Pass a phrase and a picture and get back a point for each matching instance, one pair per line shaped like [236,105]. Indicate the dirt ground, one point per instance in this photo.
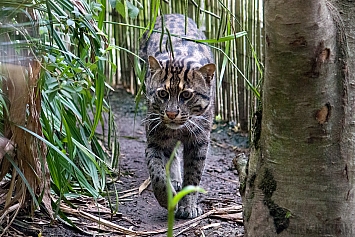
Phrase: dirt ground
[141,212]
[220,180]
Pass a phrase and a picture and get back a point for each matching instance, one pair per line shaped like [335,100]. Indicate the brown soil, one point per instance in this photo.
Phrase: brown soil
[142,212]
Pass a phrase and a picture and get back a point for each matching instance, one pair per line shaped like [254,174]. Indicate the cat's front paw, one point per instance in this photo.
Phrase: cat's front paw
[188,212]
[176,185]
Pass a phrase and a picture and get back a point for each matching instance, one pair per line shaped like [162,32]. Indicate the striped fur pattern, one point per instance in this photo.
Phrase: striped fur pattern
[180,98]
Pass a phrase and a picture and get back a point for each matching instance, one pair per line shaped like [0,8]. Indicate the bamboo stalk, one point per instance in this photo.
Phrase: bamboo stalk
[234,101]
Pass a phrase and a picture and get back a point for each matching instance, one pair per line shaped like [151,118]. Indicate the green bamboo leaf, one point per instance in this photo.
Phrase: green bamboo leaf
[29,188]
[224,64]
[140,75]
[222,39]
[133,11]
[70,22]
[186,9]
[154,11]
[128,25]
[126,50]
[91,168]
[219,29]
[163,28]
[52,58]
[112,3]
[65,5]
[71,147]
[100,93]
[51,161]
[75,172]
[169,46]
[121,7]
[250,85]
[102,14]
[227,51]
[3,104]
[69,103]
[185,191]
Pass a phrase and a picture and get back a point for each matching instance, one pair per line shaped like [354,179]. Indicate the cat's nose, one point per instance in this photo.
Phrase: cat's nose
[172,114]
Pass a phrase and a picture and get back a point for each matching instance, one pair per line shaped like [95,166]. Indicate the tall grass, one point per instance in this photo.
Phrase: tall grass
[75,117]
[73,89]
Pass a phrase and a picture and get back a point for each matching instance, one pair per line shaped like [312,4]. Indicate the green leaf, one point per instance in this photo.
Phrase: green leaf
[100,93]
[76,12]
[72,88]
[101,58]
[29,188]
[185,191]
[70,22]
[88,17]
[121,8]
[69,136]
[113,3]
[223,39]
[43,30]
[102,12]
[133,11]
[225,60]
[52,58]
[74,171]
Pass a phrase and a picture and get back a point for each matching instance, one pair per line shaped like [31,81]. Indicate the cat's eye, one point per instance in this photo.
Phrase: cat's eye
[163,94]
[186,95]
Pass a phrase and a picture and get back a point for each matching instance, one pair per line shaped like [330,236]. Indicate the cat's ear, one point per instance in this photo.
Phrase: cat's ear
[154,65]
[208,71]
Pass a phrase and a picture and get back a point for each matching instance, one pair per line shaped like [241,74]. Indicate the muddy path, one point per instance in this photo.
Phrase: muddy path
[141,212]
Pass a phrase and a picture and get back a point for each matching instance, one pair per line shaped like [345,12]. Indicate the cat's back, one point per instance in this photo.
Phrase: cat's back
[179,28]
[176,23]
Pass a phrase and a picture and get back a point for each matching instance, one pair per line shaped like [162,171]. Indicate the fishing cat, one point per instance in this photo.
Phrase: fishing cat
[180,90]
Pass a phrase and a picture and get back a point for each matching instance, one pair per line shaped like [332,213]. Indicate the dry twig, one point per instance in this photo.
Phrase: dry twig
[114,228]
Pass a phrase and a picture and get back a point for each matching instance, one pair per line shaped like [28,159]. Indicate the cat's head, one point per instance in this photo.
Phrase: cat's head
[178,90]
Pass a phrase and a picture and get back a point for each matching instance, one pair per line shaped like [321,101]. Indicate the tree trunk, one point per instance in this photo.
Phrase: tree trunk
[300,179]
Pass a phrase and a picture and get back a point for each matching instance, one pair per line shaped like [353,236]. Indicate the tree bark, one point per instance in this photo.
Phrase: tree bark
[300,179]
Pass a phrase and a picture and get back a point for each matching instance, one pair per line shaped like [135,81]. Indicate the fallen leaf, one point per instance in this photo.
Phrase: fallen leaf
[143,186]
[237,217]
[210,226]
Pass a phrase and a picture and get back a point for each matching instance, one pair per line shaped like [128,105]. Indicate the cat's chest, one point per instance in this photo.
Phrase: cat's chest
[170,136]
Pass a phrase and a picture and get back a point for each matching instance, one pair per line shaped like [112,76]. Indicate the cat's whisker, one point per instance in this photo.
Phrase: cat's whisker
[202,118]
[197,126]
[151,130]
[192,132]
[189,128]
[152,114]
[149,120]
[197,136]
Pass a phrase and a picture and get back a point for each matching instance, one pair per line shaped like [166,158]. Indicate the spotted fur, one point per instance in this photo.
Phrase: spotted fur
[180,99]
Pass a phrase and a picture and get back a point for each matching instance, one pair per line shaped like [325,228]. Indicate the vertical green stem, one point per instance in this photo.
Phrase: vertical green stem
[171,205]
